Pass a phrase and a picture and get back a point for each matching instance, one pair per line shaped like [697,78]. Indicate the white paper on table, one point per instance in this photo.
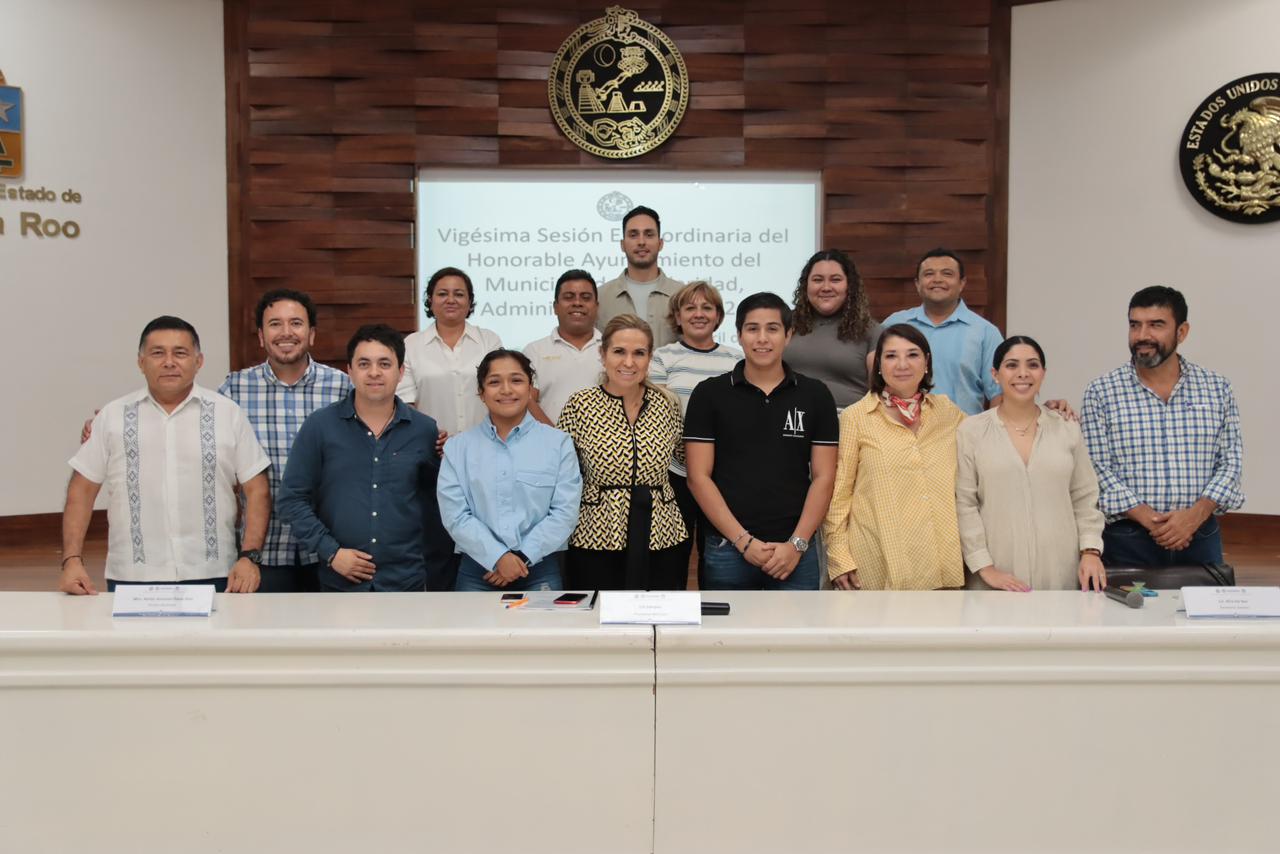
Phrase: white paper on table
[1231,601]
[655,608]
[162,600]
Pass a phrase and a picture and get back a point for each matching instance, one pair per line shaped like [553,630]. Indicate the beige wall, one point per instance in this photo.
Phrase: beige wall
[1097,207]
[125,105]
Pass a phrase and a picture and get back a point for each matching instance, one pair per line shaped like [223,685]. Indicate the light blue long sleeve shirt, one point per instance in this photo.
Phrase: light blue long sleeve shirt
[521,494]
[963,346]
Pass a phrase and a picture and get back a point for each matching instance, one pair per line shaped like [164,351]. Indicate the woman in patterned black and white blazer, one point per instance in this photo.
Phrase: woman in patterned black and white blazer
[630,535]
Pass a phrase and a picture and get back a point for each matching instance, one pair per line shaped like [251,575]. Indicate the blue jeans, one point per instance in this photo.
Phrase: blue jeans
[1126,543]
[725,569]
[543,575]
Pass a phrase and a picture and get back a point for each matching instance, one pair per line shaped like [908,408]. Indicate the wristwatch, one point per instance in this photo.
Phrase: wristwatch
[801,545]
[254,556]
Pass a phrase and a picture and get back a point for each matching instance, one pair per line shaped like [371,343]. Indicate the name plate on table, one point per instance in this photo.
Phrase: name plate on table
[656,608]
[163,600]
[1231,601]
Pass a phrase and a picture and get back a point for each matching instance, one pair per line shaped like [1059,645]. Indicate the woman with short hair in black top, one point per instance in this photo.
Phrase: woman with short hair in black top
[630,535]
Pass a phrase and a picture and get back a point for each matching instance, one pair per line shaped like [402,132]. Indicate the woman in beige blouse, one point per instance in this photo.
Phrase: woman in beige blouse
[1026,493]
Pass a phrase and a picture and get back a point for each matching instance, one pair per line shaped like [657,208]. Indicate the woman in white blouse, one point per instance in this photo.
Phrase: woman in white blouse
[440,361]
[1026,493]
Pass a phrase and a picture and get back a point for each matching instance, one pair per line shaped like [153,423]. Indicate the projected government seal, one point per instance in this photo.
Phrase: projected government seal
[1230,152]
[618,86]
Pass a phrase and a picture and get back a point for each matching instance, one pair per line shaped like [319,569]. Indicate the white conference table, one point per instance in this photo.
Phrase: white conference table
[309,722]
[950,721]
[800,722]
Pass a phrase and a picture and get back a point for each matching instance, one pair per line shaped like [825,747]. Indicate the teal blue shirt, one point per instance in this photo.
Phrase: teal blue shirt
[346,488]
[963,346]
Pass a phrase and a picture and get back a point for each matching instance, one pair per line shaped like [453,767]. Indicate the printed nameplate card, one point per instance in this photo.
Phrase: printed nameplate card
[163,600]
[656,608]
[1231,601]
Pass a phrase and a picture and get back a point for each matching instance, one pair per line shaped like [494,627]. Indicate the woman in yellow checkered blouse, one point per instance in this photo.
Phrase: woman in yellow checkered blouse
[892,520]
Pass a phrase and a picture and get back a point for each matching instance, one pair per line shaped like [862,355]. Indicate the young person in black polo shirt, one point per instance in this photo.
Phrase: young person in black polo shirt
[760,444]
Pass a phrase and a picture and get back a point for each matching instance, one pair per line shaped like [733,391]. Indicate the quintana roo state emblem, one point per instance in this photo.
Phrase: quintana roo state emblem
[1230,153]
[618,86]
[10,130]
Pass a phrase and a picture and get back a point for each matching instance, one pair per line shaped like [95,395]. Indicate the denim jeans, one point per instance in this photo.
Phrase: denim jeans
[543,575]
[726,569]
[1126,543]
[694,522]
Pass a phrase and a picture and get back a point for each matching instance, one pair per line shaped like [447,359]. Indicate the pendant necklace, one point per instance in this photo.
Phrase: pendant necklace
[1021,431]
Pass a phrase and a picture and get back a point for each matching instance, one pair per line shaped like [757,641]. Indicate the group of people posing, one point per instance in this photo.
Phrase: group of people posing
[830,450]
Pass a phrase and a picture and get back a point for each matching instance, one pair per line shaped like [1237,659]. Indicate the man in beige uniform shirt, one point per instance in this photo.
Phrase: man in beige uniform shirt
[643,288]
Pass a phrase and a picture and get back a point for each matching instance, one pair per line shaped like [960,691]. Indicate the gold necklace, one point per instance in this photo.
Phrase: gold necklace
[1021,431]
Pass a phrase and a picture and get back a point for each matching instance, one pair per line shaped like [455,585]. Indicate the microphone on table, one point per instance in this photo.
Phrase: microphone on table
[1133,598]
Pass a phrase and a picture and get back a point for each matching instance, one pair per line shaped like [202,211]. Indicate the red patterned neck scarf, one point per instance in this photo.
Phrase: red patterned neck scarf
[909,407]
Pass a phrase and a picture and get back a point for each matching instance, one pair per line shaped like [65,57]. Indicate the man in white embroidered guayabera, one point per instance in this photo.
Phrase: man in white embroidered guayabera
[170,456]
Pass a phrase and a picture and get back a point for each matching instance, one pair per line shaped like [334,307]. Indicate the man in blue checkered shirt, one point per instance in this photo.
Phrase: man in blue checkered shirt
[1164,436]
[277,396]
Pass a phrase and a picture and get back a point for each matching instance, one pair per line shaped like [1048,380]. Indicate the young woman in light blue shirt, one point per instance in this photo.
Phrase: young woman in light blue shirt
[509,487]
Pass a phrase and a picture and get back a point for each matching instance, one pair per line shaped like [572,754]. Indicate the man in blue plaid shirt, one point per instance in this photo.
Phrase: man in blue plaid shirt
[277,396]
[1164,436]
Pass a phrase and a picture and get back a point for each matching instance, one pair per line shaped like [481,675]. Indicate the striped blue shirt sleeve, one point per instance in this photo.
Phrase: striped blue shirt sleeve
[1228,457]
[1114,497]
[657,369]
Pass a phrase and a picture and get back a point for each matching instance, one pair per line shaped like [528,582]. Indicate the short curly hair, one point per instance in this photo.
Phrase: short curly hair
[697,288]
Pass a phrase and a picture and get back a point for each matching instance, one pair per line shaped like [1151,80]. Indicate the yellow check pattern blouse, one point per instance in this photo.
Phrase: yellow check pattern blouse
[893,514]
[616,455]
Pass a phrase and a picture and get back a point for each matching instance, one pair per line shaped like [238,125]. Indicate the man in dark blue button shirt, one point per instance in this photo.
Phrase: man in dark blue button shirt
[360,486]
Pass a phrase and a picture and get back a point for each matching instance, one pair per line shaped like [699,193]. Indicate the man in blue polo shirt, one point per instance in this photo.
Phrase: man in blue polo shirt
[963,342]
[360,486]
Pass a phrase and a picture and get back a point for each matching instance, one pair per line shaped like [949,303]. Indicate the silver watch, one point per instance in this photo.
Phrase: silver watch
[801,545]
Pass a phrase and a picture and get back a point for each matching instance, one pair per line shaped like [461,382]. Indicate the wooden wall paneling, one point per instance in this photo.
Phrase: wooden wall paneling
[998,197]
[333,106]
[235,68]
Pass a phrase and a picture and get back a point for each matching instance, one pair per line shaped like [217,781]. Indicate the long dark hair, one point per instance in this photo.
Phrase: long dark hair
[1012,341]
[855,317]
